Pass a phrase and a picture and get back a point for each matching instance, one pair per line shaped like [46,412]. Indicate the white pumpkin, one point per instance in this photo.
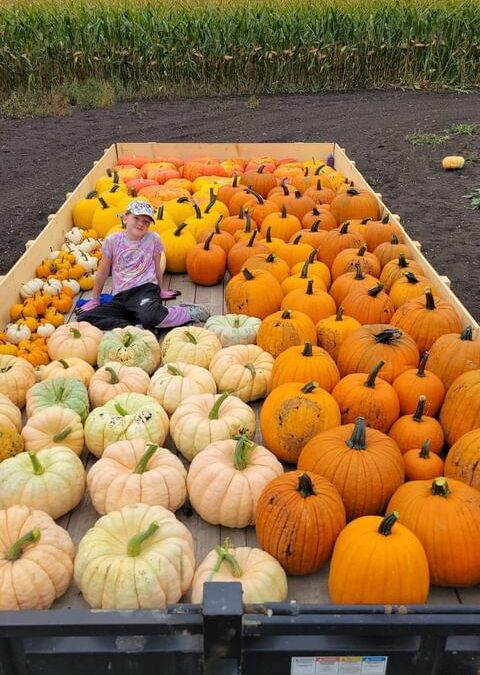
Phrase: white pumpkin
[190,344]
[174,382]
[52,287]
[243,370]
[204,418]
[74,236]
[72,284]
[16,332]
[262,577]
[130,346]
[69,368]
[234,329]
[29,288]
[10,415]
[46,329]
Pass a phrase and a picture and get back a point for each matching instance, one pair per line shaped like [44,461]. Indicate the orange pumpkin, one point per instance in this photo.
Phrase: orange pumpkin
[284,329]
[255,293]
[333,330]
[453,354]
[353,203]
[417,381]
[206,263]
[305,363]
[409,431]
[315,303]
[422,464]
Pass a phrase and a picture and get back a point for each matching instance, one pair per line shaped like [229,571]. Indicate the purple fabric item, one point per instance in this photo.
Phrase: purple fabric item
[133,262]
[169,293]
[177,316]
[90,304]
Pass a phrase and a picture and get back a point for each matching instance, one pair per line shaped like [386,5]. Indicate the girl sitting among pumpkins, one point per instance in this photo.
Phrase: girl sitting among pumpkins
[134,258]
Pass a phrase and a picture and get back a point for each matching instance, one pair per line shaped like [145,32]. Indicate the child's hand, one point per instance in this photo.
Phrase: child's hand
[90,304]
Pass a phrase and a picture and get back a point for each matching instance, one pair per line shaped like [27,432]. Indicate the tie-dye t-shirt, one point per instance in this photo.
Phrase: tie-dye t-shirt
[133,262]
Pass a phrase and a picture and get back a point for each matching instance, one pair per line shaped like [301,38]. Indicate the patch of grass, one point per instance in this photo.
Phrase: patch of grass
[427,138]
[463,129]
[24,104]
[253,102]
[472,157]
[474,198]
[90,94]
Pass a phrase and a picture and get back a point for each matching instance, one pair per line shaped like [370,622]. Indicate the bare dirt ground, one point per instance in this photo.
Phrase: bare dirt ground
[43,158]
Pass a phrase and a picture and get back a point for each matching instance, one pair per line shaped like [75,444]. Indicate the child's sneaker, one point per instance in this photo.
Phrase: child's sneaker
[198,313]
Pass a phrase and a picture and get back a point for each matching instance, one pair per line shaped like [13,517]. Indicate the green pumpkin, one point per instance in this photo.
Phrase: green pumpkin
[125,417]
[130,346]
[68,393]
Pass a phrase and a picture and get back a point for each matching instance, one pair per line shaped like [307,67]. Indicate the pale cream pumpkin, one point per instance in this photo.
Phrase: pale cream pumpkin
[174,382]
[16,377]
[10,415]
[148,547]
[52,480]
[137,471]
[243,370]
[124,417]
[205,418]
[71,368]
[78,338]
[112,379]
[262,577]
[190,344]
[54,426]
[36,559]
[130,346]
[234,329]
[225,480]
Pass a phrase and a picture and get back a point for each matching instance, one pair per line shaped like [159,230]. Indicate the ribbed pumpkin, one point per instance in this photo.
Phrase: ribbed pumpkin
[378,561]
[71,368]
[77,338]
[426,319]
[336,241]
[445,516]
[233,329]
[177,243]
[285,329]
[206,263]
[259,180]
[298,518]
[333,330]
[17,376]
[394,270]
[301,278]
[130,346]
[354,203]
[54,426]
[315,303]
[453,354]
[364,464]
[463,459]
[225,480]
[255,293]
[368,345]
[58,391]
[389,250]
[114,378]
[417,381]
[191,344]
[10,415]
[282,225]
[345,262]
[460,412]
[379,231]
[421,464]
[294,251]
[243,370]
[359,394]
[295,204]
[270,262]
[175,381]
[294,412]
[350,280]
[304,364]
[368,305]
[409,431]
[315,267]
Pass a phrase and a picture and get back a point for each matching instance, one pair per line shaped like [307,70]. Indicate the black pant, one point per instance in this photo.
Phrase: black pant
[127,308]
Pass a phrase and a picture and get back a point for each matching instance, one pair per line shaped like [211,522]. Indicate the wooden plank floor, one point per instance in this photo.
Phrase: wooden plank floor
[307,589]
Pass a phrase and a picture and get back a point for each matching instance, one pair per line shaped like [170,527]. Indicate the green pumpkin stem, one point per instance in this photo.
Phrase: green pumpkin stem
[145,458]
[309,387]
[370,381]
[63,363]
[417,416]
[75,333]
[114,379]
[467,333]
[173,370]
[305,486]
[243,447]
[358,439]
[160,212]
[135,542]
[213,414]
[422,364]
[127,339]
[251,368]
[190,337]
[62,435]
[236,322]
[440,487]
[15,550]
[120,409]
[224,555]
[312,256]
[425,449]
[307,349]
[38,469]
[387,523]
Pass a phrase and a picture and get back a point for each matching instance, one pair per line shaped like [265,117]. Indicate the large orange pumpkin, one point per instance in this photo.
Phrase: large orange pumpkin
[453,354]
[364,464]
[298,518]
[460,412]
[255,293]
[284,329]
[355,203]
[304,364]
[463,459]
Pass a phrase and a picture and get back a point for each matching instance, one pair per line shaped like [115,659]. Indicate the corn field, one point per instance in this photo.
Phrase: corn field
[234,47]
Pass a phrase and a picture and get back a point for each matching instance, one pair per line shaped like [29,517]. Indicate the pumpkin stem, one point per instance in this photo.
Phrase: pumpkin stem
[15,550]
[315,226]
[224,555]
[387,523]
[114,379]
[217,225]
[361,251]
[422,364]
[251,241]
[120,409]
[211,203]
[251,368]
[373,292]
[213,414]
[271,257]
[179,229]
[388,335]
[62,435]
[385,219]
[304,272]
[286,314]
[236,321]
[402,261]
[243,446]
[370,381]
[247,274]
[339,314]
[417,417]
[173,370]
[467,333]
[160,212]
[309,290]
[283,212]
[38,469]
[309,387]
[191,338]
[358,439]
[145,458]
[103,203]
[297,240]
[394,239]
[198,213]
[344,227]
[257,196]
[75,333]
[429,301]
[63,363]
[411,278]
[208,241]
[307,349]
[127,339]
[359,274]
[134,543]
[440,487]
[305,486]
[425,450]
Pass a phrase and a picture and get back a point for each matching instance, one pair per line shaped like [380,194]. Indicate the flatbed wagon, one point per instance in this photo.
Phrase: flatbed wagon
[302,636]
